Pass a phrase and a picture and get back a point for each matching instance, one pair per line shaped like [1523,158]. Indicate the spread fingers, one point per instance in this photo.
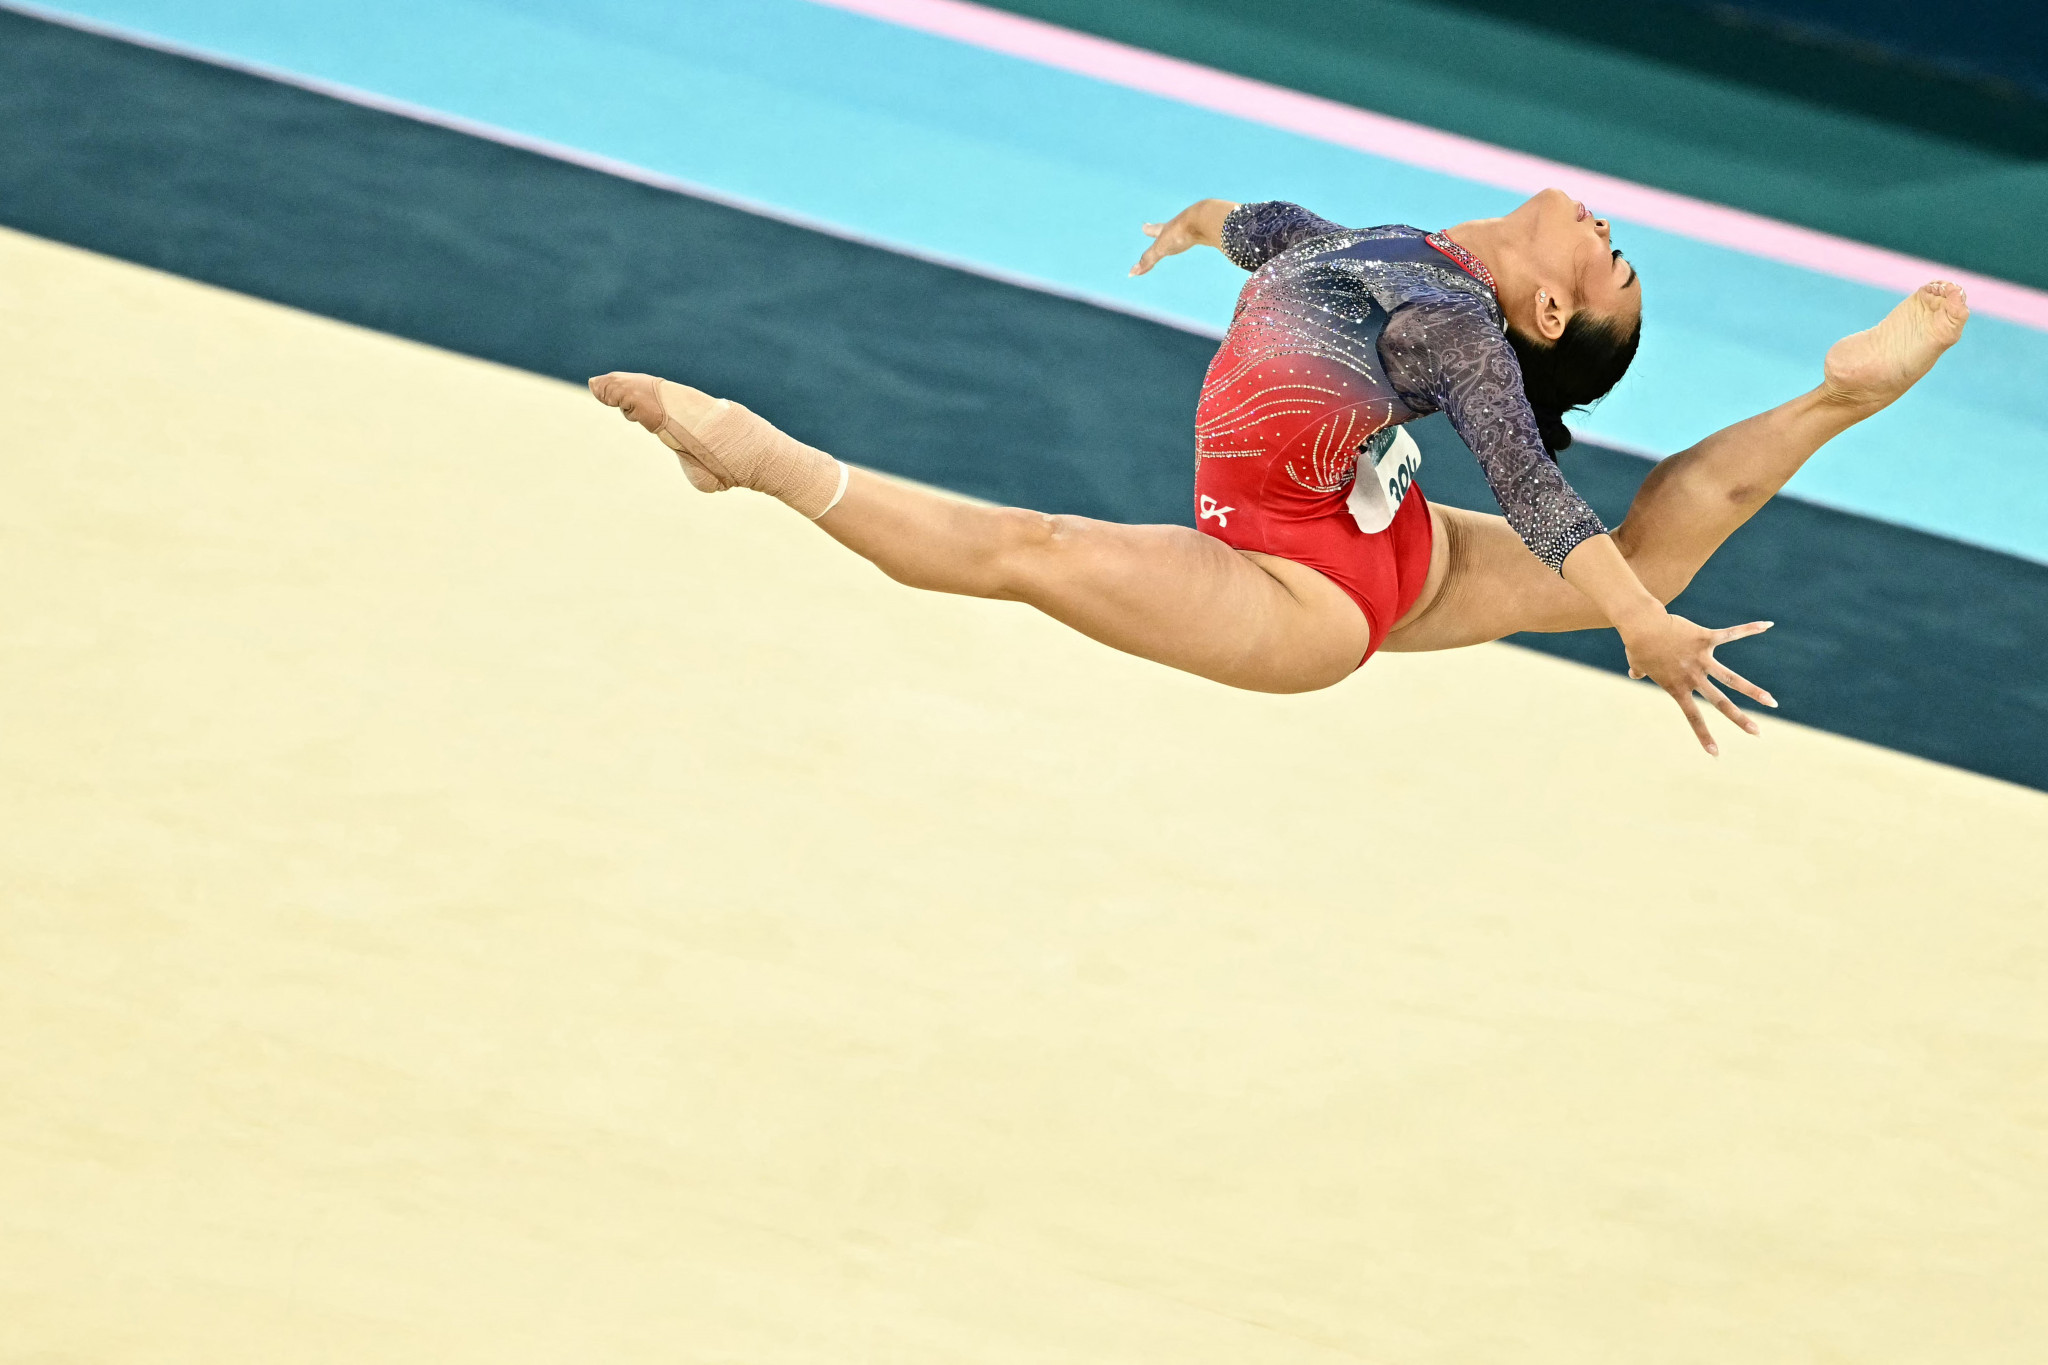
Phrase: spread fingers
[1726,707]
[1727,676]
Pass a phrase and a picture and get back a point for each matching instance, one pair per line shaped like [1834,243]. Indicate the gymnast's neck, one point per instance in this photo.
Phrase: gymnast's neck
[1499,244]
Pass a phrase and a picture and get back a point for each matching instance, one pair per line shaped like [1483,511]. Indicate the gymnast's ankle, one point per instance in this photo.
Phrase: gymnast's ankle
[723,445]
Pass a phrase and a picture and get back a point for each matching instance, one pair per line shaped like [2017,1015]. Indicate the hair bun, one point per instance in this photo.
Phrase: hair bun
[1556,435]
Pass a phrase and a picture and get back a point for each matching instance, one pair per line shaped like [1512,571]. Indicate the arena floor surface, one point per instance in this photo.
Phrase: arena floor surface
[468,897]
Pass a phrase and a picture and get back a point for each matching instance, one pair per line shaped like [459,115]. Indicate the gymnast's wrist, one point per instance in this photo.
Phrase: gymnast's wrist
[1644,614]
[1209,221]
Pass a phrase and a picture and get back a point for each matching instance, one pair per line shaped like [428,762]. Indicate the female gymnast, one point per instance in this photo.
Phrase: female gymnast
[1314,546]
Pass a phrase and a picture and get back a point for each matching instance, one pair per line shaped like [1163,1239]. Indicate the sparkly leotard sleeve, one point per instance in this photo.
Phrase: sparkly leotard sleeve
[1442,346]
[1445,355]
[1255,233]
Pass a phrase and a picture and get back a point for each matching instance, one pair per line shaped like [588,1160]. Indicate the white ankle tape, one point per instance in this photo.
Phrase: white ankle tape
[840,493]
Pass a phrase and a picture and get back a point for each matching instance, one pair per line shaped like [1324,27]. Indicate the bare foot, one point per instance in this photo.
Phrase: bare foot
[1872,368]
[673,412]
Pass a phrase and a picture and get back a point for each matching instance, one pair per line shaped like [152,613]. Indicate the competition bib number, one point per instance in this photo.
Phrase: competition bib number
[1386,471]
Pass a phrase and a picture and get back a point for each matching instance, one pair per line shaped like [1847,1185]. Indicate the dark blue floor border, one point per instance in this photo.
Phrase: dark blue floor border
[1885,634]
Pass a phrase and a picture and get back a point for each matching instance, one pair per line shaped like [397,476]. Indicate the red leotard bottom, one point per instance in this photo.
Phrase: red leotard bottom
[1290,500]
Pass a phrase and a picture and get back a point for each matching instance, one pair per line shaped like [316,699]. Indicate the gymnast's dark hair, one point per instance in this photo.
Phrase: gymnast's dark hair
[1581,365]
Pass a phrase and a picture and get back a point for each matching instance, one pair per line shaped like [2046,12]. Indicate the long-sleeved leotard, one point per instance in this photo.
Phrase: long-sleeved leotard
[1339,337]
[1432,324]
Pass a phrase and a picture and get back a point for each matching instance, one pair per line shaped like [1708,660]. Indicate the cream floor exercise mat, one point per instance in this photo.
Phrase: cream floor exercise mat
[466,897]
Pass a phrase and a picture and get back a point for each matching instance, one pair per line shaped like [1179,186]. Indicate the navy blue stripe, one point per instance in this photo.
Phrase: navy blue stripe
[1886,634]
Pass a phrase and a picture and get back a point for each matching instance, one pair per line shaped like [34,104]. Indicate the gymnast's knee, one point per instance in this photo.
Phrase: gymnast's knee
[1024,547]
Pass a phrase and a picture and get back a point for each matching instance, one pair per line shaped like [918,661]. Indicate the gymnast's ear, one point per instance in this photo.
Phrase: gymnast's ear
[1552,314]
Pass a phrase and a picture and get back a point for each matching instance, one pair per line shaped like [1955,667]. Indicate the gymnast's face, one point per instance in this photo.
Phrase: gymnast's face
[1571,264]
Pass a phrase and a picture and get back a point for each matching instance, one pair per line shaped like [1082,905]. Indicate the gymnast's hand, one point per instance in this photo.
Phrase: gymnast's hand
[1679,657]
[1196,225]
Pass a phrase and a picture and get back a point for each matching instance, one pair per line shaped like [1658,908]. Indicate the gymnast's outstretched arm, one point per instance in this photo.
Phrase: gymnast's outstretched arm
[1483,584]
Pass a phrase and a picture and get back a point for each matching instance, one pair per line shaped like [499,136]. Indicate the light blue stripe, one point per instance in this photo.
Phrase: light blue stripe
[945,149]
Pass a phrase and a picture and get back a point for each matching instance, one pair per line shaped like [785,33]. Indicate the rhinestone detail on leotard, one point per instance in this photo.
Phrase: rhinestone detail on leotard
[1469,263]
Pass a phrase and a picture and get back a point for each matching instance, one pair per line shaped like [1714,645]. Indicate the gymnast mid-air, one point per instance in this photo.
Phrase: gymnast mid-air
[1314,546]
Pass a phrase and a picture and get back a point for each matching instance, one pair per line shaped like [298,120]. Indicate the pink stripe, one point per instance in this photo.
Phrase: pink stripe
[1416,145]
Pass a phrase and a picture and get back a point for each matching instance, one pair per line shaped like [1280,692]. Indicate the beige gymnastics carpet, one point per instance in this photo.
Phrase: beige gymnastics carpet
[465,897]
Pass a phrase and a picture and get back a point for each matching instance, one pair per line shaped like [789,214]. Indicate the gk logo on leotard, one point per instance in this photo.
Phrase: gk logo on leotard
[1212,508]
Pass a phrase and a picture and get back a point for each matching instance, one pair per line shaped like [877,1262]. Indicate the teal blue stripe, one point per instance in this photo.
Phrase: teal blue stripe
[945,149]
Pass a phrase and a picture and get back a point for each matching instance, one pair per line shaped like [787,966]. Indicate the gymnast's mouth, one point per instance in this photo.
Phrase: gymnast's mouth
[1582,213]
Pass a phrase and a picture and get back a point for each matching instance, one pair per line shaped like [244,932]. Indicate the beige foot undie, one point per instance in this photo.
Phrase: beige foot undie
[722,445]
[1875,366]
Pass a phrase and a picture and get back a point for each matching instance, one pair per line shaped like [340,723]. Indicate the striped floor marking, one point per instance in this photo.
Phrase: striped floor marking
[1414,144]
[909,139]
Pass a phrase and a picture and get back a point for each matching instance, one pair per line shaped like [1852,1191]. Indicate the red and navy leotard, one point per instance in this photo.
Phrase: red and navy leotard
[1339,336]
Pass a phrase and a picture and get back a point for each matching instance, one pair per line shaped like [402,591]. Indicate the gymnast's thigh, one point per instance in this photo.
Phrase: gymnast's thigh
[1485,585]
[1181,598]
